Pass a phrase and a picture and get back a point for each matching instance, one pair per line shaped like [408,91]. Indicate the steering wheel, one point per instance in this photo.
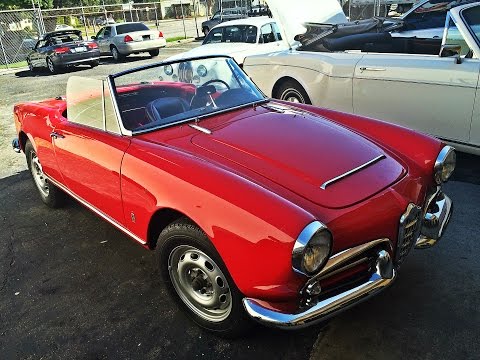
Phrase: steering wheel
[216,80]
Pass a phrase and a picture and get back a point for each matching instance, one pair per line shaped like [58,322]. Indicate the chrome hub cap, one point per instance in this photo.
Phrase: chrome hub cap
[115,53]
[200,283]
[38,175]
[292,95]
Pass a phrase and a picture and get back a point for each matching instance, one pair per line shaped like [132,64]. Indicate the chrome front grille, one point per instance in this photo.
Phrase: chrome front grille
[408,231]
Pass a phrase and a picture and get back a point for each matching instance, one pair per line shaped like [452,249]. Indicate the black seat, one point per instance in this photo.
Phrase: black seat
[165,107]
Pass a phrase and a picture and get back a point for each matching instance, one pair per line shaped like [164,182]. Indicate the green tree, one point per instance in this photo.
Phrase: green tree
[24,4]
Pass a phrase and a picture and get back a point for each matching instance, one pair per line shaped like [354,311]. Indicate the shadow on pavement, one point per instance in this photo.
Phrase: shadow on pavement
[72,286]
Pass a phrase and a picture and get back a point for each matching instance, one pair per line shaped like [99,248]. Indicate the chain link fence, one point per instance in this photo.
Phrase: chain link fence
[18,33]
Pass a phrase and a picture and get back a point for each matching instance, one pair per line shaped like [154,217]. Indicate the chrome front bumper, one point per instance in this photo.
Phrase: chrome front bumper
[438,211]
[435,221]
[383,276]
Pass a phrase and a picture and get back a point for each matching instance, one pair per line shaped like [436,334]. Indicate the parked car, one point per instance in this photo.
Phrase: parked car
[60,49]
[429,85]
[63,27]
[221,16]
[239,39]
[257,209]
[121,40]
[427,18]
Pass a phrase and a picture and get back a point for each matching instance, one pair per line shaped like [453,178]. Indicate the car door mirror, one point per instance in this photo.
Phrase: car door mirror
[454,50]
[94,37]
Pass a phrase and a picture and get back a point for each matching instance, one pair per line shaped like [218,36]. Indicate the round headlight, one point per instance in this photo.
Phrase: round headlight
[202,71]
[312,249]
[317,252]
[444,165]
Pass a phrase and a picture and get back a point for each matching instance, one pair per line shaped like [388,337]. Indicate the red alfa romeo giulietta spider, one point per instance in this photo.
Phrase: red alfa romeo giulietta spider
[257,209]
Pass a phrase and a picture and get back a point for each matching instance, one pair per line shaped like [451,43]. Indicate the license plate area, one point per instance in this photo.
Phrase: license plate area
[79,49]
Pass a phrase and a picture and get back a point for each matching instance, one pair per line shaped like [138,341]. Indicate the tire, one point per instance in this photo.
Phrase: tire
[116,54]
[30,66]
[94,63]
[52,68]
[198,280]
[49,193]
[292,91]
[154,53]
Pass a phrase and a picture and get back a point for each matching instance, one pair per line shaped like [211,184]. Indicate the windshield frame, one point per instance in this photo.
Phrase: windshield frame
[113,89]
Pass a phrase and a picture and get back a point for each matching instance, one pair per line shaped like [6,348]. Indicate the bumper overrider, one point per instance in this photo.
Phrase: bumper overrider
[375,255]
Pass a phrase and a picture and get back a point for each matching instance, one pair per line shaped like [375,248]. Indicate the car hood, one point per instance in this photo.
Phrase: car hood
[300,152]
[292,15]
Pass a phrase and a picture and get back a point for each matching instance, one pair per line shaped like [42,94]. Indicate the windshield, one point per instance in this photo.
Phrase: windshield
[234,33]
[472,18]
[126,28]
[163,95]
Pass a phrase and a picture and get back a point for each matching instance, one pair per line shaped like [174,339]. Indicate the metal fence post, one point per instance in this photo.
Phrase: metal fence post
[3,51]
[195,10]
[156,15]
[84,22]
[183,19]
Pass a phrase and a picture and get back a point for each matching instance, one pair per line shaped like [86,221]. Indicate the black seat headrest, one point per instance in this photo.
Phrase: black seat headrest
[165,107]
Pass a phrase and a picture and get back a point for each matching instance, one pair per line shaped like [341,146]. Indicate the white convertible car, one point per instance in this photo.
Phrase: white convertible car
[425,84]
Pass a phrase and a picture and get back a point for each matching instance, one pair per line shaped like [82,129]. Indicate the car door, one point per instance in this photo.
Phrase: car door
[38,56]
[89,147]
[268,41]
[430,93]
[103,41]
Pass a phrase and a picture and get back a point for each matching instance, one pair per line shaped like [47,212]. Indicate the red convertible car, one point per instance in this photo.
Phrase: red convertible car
[257,209]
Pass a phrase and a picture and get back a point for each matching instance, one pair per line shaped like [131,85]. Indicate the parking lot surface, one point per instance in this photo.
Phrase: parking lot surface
[72,286]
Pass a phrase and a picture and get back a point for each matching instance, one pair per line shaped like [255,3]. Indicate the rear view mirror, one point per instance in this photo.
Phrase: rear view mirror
[454,50]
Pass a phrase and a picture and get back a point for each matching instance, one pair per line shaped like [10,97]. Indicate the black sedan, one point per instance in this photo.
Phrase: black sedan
[60,49]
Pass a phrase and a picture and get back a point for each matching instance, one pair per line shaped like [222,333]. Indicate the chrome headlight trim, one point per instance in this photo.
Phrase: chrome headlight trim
[446,157]
[302,243]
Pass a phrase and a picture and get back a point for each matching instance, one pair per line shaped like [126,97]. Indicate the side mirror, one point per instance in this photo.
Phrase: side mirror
[94,38]
[454,50]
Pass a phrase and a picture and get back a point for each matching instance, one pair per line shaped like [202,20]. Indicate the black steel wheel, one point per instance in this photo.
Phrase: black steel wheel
[199,281]
[49,193]
[94,63]
[154,53]
[52,68]
[292,91]
[117,56]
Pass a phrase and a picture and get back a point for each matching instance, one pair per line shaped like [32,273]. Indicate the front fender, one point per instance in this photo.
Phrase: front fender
[252,228]
[417,150]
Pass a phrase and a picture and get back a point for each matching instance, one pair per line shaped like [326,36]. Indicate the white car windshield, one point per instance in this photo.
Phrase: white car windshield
[165,94]
[233,33]
[472,18]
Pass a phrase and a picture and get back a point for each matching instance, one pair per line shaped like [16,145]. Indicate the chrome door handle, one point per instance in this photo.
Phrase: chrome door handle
[55,135]
[366,68]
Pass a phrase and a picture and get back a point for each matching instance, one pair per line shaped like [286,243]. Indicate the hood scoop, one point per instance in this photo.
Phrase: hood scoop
[351,172]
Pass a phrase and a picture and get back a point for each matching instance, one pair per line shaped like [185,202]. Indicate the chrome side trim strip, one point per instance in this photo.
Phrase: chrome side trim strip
[383,276]
[201,129]
[98,212]
[348,173]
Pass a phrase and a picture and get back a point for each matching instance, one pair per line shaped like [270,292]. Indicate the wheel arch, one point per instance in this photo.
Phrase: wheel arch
[283,80]
[159,221]
[23,138]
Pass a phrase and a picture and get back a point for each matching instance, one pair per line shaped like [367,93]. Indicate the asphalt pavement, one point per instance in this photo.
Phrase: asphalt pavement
[73,287]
